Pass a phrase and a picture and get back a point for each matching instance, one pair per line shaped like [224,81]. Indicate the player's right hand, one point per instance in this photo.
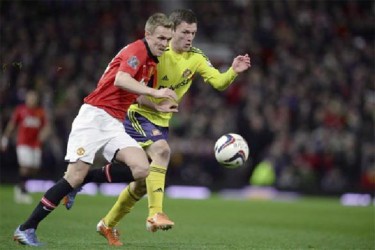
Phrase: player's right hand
[167,105]
[241,63]
[165,93]
[4,143]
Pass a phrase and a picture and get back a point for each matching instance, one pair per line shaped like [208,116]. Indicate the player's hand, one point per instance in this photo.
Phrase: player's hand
[165,93]
[241,63]
[167,106]
[4,143]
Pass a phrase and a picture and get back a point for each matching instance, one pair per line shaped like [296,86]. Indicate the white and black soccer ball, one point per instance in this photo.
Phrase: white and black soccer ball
[231,150]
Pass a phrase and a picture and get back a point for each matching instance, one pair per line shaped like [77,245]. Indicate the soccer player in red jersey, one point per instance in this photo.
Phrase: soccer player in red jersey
[30,121]
[98,124]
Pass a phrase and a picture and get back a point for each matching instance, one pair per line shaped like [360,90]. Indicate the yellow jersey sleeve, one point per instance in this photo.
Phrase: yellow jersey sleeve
[213,76]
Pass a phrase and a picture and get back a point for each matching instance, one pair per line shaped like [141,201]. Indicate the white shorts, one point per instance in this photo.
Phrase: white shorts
[94,129]
[29,157]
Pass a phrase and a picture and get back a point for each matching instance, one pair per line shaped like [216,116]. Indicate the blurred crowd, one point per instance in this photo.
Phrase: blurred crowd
[307,105]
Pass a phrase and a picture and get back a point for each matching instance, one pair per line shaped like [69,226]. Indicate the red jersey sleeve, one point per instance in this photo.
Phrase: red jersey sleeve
[132,58]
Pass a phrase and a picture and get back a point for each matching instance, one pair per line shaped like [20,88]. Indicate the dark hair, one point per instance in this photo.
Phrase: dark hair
[182,15]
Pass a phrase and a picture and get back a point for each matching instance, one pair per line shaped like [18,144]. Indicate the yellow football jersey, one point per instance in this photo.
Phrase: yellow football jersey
[176,71]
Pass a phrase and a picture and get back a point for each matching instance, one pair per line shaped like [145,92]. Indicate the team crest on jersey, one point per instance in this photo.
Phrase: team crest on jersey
[133,62]
[156,132]
[80,151]
[186,73]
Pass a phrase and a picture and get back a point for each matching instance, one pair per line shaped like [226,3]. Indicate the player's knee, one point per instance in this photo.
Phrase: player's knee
[76,173]
[136,160]
[140,172]
[162,150]
[139,168]
[74,179]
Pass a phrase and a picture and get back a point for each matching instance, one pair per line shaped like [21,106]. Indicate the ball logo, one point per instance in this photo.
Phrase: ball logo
[229,140]
[80,151]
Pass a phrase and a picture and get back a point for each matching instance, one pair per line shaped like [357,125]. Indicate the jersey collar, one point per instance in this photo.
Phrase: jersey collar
[154,58]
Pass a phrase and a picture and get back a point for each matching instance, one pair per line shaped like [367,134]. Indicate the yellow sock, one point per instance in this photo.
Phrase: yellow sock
[155,182]
[125,202]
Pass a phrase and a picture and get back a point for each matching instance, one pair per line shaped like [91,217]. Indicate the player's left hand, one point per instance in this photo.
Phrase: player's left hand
[241,63]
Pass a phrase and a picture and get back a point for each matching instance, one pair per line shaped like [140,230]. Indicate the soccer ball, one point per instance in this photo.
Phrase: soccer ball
[231,150]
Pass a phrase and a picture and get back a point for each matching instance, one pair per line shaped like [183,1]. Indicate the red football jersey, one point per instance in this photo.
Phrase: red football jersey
[134,59]
[30,122]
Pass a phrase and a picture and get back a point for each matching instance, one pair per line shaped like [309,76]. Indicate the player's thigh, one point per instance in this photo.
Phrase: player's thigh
[135,158]
[91,130]
[29,157]
[120,141]
[125,149]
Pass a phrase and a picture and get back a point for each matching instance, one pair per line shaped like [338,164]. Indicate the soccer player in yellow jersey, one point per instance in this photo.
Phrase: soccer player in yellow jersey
[149,126]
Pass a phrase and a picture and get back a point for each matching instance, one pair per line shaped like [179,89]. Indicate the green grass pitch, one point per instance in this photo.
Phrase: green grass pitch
[309,223]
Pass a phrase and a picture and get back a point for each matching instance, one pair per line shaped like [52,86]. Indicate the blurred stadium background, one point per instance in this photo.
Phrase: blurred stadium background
[306,106]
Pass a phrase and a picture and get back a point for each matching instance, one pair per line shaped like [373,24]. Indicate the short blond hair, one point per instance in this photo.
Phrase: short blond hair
[156,20]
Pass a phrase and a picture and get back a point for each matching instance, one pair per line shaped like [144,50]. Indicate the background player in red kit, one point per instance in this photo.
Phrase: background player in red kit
[30,121]
[98,124]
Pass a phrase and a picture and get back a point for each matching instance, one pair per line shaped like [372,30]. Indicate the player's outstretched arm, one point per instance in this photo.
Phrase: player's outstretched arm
[241,63]
[221,81]
[11,126]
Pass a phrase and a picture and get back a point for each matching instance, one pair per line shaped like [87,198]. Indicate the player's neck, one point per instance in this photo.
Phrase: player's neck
[176,50]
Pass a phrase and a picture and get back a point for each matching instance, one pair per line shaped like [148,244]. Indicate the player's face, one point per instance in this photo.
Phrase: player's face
[158,41]
[183,36]
[31,99]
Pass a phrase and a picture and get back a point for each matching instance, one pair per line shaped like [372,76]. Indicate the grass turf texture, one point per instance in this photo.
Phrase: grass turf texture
[309,223]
